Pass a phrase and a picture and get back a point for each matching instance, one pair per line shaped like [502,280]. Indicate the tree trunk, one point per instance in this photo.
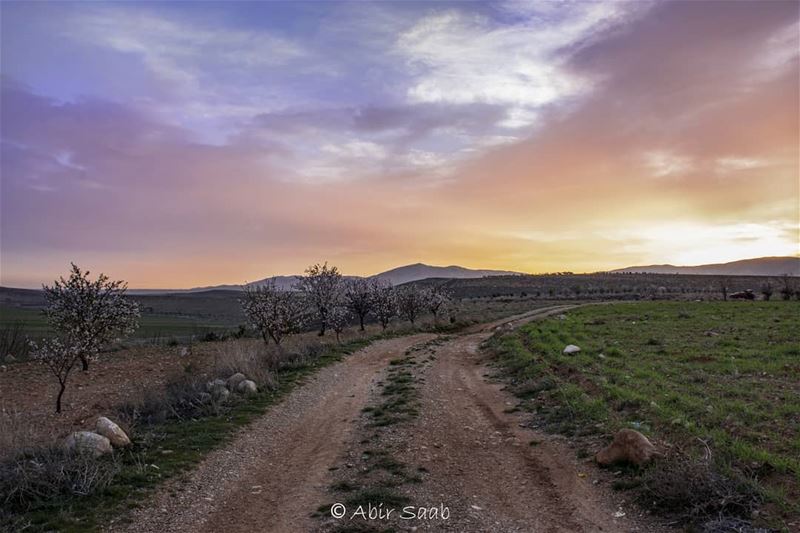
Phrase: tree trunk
[361,321]
[84,363]
[60,394]
[322,330]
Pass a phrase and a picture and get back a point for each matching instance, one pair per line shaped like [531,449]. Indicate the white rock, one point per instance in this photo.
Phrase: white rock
[112,432]
[571,349]
[235,379]
[185,352]
[88,442]
[247,387]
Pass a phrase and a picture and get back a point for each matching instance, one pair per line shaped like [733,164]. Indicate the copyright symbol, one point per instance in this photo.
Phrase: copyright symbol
[338,510]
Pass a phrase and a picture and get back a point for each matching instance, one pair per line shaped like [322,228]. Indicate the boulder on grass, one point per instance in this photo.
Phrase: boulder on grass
[112,432]
[235,379]
[88,443]
[247,387]
[629,446]
[571,349]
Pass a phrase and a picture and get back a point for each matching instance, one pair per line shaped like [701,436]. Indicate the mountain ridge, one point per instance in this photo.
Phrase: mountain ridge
[759,266]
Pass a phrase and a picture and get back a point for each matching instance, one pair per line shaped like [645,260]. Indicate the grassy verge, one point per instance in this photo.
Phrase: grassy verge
[163,450]
[726,374]
[377,477]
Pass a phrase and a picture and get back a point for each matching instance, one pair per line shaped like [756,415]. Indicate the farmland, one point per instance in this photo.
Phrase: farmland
[726,374]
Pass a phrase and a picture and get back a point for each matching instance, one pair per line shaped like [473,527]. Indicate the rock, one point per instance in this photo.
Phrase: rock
[247,387]
[185,352]
[235,379]
[10,358]
[571,349]
[561,317]
[211,385]
[629,446]
[112,432]
[220,393]
[3,368]
[88,442]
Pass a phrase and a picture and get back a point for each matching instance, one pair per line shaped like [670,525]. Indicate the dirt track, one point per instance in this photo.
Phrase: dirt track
[276,473]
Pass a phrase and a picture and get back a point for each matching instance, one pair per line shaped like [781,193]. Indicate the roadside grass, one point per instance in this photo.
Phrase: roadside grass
[726,373]
[376,480]
[163,450]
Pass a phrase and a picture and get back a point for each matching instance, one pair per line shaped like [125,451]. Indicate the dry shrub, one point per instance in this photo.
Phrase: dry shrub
[16,433]
[693,491]
[251,358]
[184,397]
[46,473]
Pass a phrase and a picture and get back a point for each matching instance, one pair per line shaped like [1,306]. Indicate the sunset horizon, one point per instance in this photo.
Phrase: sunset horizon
[179,145]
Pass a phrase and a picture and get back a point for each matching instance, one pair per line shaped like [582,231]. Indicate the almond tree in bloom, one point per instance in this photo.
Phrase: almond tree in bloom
[322,287]
[85,316]
[383,300]
[339,318]
[410,302]
[436,298]
[358,297]
[89,314]
[272,312]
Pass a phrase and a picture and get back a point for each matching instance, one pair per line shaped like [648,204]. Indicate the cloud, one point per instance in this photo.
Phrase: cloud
[457,57]
[664,163]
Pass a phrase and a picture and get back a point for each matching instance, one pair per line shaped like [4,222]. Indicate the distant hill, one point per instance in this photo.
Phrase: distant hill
[418,271]
[761,266]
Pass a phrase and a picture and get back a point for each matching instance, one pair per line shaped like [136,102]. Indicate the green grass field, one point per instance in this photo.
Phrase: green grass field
[724,372]
[151,326]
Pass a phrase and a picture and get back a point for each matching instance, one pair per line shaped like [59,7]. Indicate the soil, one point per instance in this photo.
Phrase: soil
[477,458]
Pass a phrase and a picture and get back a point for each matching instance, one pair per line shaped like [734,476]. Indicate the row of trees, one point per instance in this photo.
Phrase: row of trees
[325,298]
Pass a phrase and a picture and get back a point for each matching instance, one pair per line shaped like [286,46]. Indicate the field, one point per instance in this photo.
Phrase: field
[724,373]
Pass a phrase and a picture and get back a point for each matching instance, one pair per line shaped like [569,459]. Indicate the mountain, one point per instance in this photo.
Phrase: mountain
[418,271]
[395,276]
[761,266]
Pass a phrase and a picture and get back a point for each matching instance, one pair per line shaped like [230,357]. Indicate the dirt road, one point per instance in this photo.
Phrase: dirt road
[478,458]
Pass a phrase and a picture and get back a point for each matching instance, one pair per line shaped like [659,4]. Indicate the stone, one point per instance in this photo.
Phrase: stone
[10,358]
[211,385]
[247,387]
[185,352]
[88,442]
[235,379]
[220,393]
[112,432]
[571,349]
[629,446]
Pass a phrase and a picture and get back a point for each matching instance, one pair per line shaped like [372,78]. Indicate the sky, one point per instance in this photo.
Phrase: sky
[186,144]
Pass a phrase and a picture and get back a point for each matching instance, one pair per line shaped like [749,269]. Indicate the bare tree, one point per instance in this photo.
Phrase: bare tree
[322,286]
[358,297]
[89,314]
[788,289]
[436,298]
[272,312]
[723,287]
[410,302]
[766,290]
[383,299]
[340,316]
